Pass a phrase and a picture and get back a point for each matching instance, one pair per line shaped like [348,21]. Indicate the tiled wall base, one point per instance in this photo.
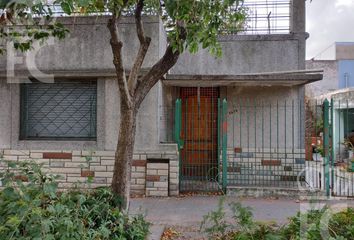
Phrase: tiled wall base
[78,166]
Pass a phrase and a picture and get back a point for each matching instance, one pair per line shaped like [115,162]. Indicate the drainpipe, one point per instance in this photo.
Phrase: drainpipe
[346,78]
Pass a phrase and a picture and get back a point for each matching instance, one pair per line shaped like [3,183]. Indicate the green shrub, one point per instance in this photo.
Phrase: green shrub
[32,208]
[215,225]
[320,224]
[312,225]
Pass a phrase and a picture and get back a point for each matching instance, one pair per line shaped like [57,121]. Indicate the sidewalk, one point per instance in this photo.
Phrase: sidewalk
[189,211]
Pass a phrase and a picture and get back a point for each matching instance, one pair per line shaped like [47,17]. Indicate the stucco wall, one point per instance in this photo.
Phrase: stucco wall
[5,114]
[345,73]
[344,50]
[87,46]
[330,77]
[86,52]
[264,117]
[245,54]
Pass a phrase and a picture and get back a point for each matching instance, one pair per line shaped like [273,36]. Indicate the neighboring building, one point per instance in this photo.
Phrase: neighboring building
[330,77]
[262,77]
[337,84]
[338,73]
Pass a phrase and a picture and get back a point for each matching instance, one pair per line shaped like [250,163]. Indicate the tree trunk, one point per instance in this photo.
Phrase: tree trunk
[124,153]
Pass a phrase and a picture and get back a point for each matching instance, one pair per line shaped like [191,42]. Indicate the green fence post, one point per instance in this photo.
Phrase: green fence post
[333,151]
[326,145]
[178,126]
[224,145]
[178,119]
[219,135]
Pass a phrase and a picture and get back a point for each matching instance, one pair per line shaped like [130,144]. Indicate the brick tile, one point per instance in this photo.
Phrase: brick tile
[87,173]
[57,155]
[271,163]
[238,150]
[139,163]
[153,178]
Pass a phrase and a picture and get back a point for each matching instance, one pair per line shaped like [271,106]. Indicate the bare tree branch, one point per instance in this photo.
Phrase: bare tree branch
[117,45]
[144,46]
[155,74]
[168,60]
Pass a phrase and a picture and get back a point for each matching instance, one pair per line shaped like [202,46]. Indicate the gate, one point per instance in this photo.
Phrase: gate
[332,169]
[198,119]
[249,143]
[340,147]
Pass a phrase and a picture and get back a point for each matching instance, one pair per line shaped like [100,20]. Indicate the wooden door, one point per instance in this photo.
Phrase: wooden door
[199,133]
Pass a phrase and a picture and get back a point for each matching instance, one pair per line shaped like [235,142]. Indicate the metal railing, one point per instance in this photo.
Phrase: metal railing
[283,144]
[268,17]
[264,144]
[330,140]
[263,17]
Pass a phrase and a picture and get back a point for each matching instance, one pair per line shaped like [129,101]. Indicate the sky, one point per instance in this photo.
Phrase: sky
[328,21]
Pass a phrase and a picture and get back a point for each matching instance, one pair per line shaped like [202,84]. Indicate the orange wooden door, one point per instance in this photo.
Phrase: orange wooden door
[199,132]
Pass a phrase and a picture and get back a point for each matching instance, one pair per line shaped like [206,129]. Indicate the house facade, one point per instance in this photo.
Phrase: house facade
[210,123]
[338,85]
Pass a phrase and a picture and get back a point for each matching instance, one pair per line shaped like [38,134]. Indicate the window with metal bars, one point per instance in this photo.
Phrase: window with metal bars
[63,110]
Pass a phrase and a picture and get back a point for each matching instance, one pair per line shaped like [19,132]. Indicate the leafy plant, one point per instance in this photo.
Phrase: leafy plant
[244,227]
[319,224]
[214,223]
[311,226]
[31,207]
[348,144]
[319,126]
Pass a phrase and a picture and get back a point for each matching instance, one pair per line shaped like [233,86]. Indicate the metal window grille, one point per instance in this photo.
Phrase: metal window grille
[60,110]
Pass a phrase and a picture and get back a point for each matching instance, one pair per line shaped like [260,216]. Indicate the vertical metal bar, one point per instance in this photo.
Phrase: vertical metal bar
[233,145]
[198,169]
[205,147]
[270,140]
[326,144]
[263,139]
[188,147]
[219,135]
[178,123]
[278,182]
[333,152]
[285,135]
[192,131]
[339,127]
[212,136]
[224,145]
[255,136]
[249,164]
[346,136]
[299,119]
[293,141]
[242,176]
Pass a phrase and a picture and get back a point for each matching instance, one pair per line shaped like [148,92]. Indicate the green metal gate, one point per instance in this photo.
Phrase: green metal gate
[200,132]
[332,166]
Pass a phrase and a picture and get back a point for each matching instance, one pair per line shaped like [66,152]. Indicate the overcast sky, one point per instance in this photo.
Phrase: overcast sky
[328,21]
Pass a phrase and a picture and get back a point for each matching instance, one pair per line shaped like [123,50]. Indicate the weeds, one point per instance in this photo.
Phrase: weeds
[320,224]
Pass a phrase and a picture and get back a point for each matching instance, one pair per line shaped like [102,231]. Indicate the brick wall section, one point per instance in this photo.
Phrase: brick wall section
[276,164]
[78,166]
[157,176]
[138,177]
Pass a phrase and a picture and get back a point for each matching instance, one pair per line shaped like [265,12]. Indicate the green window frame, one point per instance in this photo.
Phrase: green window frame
[63,110]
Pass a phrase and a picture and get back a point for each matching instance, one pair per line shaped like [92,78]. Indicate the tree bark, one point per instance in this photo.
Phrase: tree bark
[132,93]
[124,153]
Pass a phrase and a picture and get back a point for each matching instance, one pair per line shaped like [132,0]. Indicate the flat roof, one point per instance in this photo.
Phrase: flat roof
[285,78]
